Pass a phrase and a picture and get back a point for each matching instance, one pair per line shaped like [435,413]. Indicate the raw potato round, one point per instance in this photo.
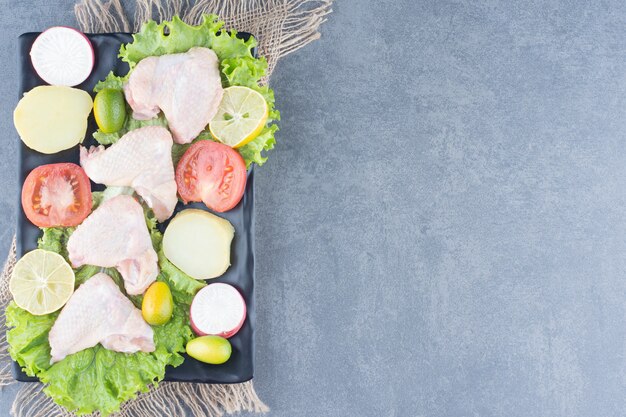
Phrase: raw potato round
[50,119]
[198,243]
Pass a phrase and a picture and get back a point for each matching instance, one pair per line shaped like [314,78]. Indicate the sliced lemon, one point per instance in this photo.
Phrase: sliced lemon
[42,282]
[240,118]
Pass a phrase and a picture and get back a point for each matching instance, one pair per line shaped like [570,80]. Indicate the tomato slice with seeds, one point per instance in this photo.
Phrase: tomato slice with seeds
[57,195]
[213,173]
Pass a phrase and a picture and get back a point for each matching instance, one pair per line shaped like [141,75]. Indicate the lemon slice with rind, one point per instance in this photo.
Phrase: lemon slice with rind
[240,117]
[42,282]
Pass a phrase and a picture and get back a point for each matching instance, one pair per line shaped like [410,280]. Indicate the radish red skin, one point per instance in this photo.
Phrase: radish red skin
[226,333]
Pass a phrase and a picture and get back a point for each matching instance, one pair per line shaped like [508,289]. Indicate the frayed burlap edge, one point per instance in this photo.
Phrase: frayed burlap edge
[5,296]
[168,399]
[280,26]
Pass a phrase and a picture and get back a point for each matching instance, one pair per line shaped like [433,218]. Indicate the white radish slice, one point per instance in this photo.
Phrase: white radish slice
[217,309]
[62,56]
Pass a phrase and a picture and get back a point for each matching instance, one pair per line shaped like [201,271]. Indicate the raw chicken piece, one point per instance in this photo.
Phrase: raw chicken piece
[115,234]
[186,87]
[98,312]
[141,159]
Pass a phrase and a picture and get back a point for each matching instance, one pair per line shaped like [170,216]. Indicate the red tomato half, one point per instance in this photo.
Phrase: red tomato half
[57,195]
[213,173]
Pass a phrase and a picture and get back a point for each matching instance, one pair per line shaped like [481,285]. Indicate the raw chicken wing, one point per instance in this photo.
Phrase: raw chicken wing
[98,312]
[141,159]
[187,87]
[116,235]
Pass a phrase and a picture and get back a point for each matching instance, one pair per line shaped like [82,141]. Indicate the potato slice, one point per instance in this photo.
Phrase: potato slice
[50,119]
[198,243]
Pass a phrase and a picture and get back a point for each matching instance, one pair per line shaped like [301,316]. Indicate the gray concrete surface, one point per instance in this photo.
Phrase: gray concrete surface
[441,227]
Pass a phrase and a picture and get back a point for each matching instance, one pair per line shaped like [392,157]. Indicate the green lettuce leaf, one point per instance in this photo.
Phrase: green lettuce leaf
[152,39]
[85,272]
[237,64]
[28,338]
[181,284]
[96,197]
[55,239]
[96,378]
[111,81]
[252,151]
[178,151]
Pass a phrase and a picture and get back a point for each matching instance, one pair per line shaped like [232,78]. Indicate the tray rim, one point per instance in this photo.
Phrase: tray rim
[17,372]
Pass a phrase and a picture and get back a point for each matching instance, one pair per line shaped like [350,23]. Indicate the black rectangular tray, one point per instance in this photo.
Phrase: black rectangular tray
[240,366]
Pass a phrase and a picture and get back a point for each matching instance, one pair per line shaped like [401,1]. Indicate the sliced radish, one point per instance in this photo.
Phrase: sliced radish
[218,309]
[62,56]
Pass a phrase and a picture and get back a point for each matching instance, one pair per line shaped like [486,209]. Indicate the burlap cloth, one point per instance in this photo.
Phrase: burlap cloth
[281,27]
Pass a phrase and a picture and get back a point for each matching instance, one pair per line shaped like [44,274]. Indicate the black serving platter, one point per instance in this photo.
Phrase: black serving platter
[240,366]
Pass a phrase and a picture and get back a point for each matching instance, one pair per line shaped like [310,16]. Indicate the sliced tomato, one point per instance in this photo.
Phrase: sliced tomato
[213,173]
[57,195]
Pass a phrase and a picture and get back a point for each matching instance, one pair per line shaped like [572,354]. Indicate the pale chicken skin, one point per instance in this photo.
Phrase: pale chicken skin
[186,87]
[116,235]
[141,159]
[98,312]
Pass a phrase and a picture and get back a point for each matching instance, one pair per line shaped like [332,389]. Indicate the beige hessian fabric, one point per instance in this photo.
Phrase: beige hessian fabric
[281,27]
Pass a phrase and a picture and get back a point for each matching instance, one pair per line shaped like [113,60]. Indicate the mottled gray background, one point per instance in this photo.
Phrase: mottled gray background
[441,226]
